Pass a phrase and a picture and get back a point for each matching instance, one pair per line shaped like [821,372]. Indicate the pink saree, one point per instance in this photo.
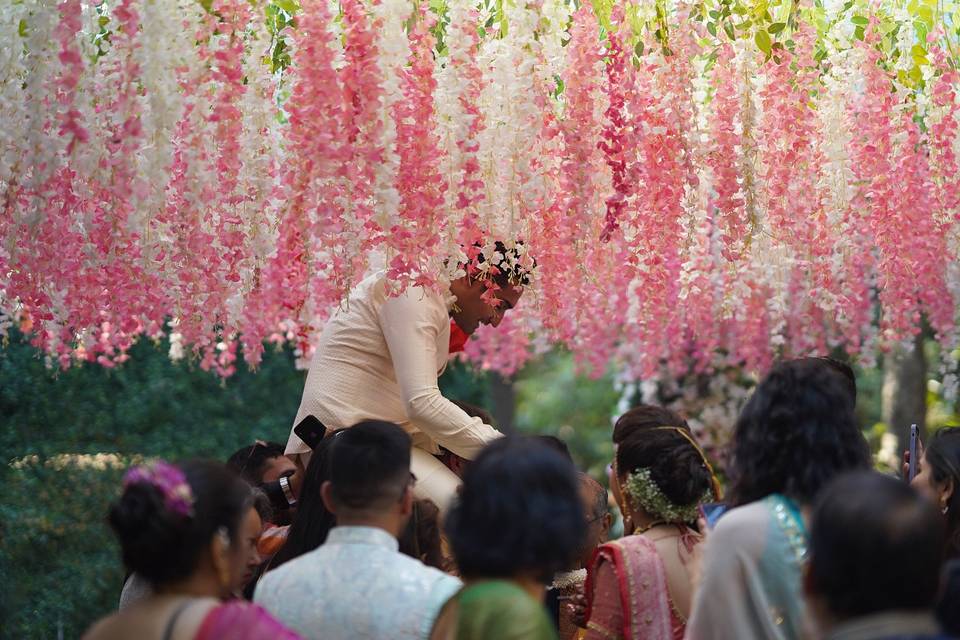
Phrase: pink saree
[627,595]
[241,620]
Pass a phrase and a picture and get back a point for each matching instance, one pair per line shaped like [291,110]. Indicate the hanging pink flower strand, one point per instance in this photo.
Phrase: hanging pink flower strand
[416,230]
[159,179]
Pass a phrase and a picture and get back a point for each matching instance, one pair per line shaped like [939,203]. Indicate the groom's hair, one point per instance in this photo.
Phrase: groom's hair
[369,465]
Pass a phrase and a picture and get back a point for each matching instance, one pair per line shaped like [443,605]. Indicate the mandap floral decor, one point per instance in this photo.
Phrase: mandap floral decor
[751,178]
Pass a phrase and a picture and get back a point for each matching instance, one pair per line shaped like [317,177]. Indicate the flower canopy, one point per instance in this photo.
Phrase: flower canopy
[750,178]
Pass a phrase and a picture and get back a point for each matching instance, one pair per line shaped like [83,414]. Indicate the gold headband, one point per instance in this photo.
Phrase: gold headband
[714,483]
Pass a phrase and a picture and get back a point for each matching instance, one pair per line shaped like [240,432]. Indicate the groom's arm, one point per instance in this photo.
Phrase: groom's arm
[411,324]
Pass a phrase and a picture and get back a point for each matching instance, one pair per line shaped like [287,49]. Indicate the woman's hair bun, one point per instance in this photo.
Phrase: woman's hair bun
[143,526]
[677,467]
[167,515]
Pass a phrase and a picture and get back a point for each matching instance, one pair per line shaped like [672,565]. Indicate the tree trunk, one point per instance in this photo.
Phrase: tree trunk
[904,397]
[503,400]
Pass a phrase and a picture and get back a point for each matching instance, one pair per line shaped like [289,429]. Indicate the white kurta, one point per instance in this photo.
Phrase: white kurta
[356,586]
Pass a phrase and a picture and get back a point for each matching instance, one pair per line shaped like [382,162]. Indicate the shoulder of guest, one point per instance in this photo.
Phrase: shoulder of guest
[750,514]
[503,591]
[100,629]
[423,570]
[444,586]
[515,602]
[445,579]
[273,580]
[740,526]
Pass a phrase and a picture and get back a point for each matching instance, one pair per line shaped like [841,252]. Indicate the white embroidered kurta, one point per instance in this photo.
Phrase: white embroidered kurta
[379,358]
[356,586]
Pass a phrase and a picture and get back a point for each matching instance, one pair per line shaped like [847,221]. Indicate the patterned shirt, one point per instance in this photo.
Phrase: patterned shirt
[357,585]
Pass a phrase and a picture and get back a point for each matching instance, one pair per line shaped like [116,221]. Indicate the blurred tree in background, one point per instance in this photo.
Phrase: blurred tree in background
[60,564]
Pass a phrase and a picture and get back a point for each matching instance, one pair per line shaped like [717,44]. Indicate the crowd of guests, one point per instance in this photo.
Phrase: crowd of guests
[812,543]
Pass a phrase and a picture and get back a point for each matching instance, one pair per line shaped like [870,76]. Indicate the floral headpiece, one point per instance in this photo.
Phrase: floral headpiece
[644,492]
[496,258]
[168,480]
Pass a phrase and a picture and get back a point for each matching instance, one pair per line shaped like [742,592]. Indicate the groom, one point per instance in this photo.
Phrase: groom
[379,358]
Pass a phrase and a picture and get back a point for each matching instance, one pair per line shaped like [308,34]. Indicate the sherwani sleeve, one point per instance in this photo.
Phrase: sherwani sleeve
[411,324]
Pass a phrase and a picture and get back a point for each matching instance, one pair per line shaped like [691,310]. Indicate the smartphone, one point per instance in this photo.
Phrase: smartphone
[914,435]
[311,431]
[712,512]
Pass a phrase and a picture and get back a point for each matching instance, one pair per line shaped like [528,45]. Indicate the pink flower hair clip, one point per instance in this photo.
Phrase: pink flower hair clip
[169,480]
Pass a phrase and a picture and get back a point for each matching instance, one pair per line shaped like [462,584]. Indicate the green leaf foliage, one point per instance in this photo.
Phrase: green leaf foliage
[762,38]
[60,564]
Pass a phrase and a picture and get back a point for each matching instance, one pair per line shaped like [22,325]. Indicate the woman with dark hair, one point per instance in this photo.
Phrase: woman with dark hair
[136,588]
[643,417]
[190,532]
[420,539]
[948,613]
[637,420]
[797,432]
[517,521]
[313,520]
[663,477]
[938,478]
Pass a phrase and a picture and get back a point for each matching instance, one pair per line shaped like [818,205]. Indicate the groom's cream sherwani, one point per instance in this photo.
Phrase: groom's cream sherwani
[379,357]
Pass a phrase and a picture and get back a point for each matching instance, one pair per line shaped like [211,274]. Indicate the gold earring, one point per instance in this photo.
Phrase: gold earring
[223,575]
[627,520]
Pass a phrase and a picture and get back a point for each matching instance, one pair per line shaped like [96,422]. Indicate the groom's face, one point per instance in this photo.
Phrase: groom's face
[474,310]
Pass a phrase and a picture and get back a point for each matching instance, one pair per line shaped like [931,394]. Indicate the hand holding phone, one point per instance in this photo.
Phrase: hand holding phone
[913,460]
[311,431]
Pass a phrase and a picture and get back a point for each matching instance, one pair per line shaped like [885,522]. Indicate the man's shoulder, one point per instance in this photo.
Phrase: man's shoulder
[418,577]
[413,567]
[302,568]
[420,296]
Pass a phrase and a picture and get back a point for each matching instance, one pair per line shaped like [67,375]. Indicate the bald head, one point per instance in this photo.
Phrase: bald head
[594,499]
